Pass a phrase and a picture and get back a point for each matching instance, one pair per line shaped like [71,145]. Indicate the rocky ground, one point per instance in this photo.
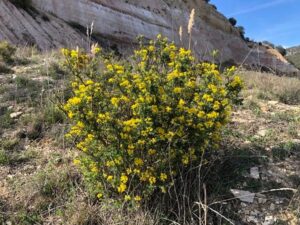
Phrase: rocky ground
[256,179]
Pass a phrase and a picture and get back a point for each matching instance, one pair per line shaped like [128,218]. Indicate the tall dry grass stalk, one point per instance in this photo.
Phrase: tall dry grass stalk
[89,32]
[190,26]
[180,33]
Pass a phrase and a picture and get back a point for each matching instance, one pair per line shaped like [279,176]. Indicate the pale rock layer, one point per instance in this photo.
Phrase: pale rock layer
[36,28]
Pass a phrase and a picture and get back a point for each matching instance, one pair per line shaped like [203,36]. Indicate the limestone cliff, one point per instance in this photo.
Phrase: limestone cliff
[119,22]
[31,27]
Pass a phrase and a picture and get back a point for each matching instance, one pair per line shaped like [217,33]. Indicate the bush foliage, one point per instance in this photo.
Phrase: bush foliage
[141,122]
[232,21]
[7,52]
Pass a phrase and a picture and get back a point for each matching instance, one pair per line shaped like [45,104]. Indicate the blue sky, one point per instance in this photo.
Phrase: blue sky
[277,21]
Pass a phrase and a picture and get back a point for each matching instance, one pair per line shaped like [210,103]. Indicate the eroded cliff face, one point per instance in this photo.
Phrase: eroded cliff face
[119,22]
[35,28]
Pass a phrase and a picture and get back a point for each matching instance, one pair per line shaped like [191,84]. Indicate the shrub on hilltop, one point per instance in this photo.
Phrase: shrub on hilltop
[232,21]
[142,122]
[281,50]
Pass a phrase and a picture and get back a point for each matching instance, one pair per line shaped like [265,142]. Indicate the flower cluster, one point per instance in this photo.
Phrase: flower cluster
[141,122]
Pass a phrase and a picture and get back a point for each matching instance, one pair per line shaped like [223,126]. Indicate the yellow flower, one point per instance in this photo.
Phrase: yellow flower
[135,106]
[122,188]
[207,98]
[114,101]
[131,146]
[64,51]
[110,163]
[130,151]
[152,180]
[89,82]
[103,117]
[161,131]
[99,195]
[151,48]
[216,105]
[74,54]
[110,67]
[209,124]
[70,115]
[125,83]
[168,109]
[74,101]
[111,80]
[236,81]
[137,198]
[181,103]
[174,74]
[129,171]
[127,198]
[177,90]
[163,189]
[74,84]
[154,109]
[136,171]
[191,84]
[141,142]
[124,178]
[212,115]
[95,49]
[76,161]
[109,178]
[213,88]
[163,177]
[138,162]
[151,152]
[225,102]
[185,159]
[90,137]
[94,169]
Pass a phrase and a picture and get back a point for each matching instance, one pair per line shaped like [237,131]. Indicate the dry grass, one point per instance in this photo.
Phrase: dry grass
[270,87]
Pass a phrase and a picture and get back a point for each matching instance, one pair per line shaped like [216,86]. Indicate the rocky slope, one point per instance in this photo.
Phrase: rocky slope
[119,22]
[293,55]
[293,50]
[32,27]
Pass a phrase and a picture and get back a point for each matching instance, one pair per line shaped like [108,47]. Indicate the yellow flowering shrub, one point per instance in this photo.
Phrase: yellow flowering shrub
[141,122]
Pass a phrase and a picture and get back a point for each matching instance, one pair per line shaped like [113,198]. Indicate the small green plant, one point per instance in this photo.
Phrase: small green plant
[4,68]
[35,130]
[54,70]
[4,158]
[5,120]
[142,122]
[53,115]
[254,107]
[7,52]
[285,150]
[290,95]
[9,144]
[27,90]
[25,217]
